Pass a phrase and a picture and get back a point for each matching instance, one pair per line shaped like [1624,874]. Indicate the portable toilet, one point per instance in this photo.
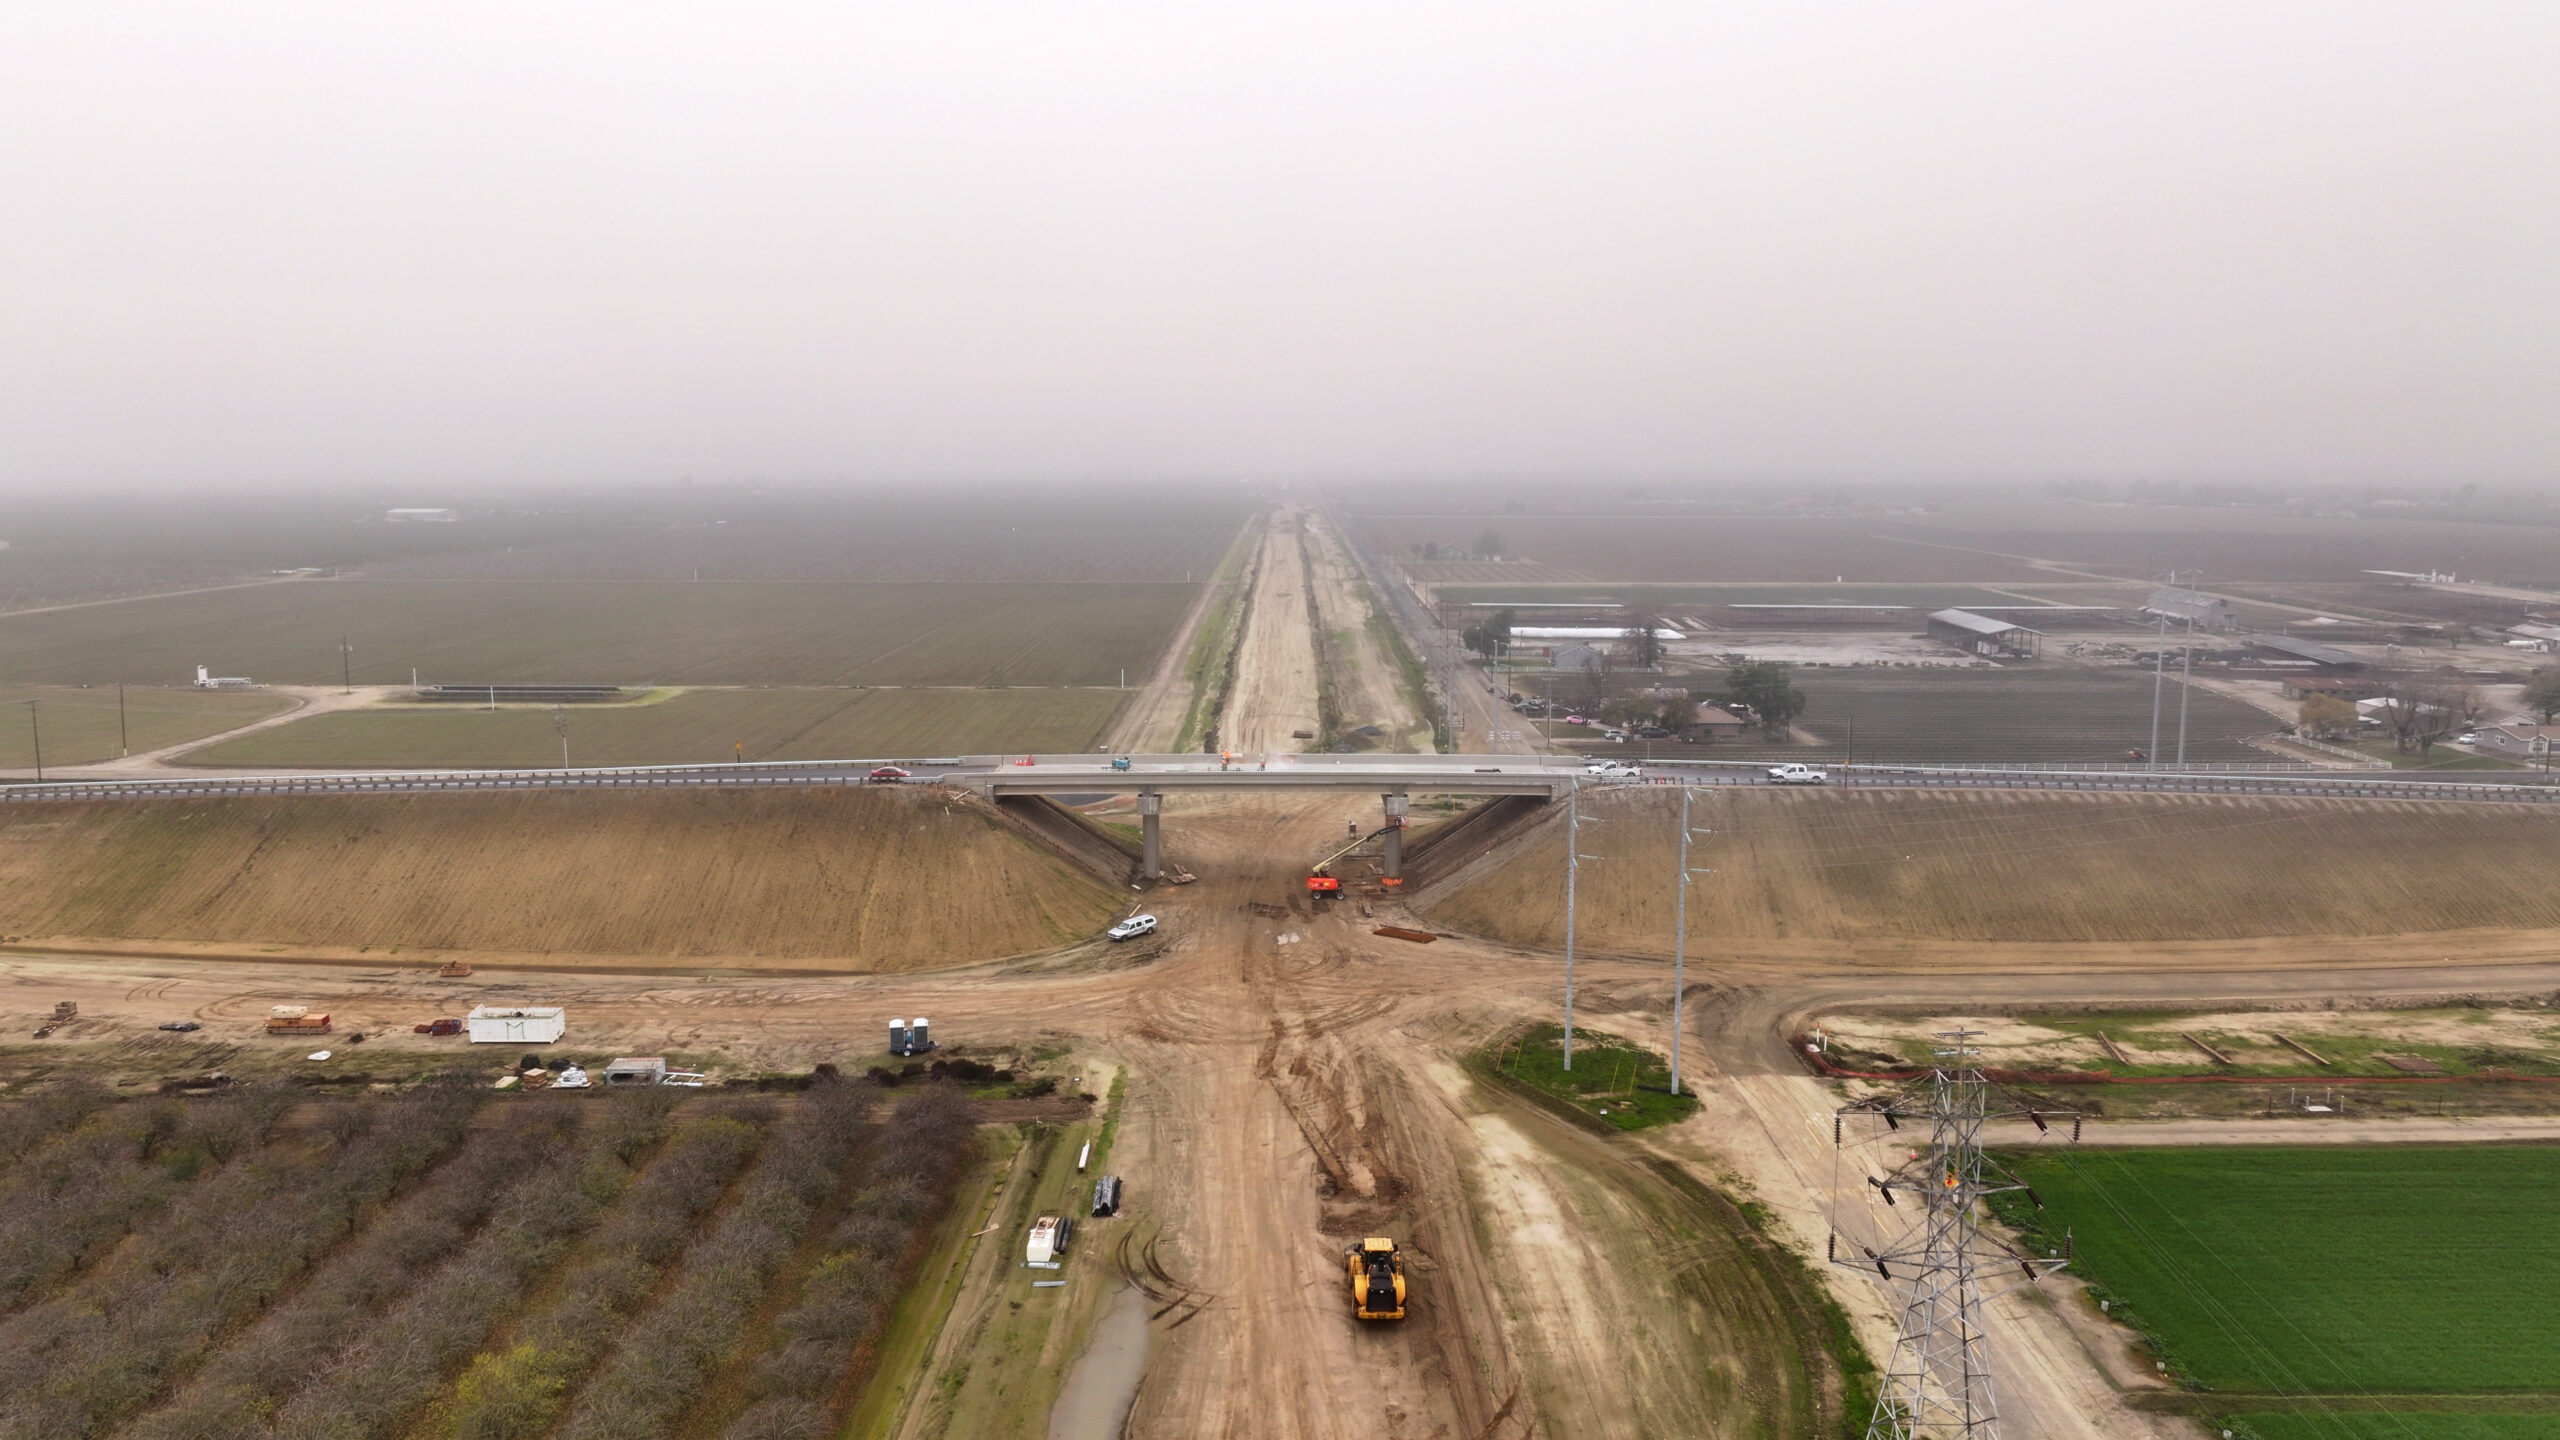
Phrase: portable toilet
[919,1038]
[897,1037]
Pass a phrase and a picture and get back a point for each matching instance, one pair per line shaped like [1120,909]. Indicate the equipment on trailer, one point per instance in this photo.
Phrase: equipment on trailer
[1377,1279]
[1322,882]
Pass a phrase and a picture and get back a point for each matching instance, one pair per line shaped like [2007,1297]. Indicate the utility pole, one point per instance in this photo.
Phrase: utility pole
[124,739]
[37,732]
[2159,675]
[560,723]
[1680,940]
[2186,673]
[346,666]
[1938,1383]
[1572,871]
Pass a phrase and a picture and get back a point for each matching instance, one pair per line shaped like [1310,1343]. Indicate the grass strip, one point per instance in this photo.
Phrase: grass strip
[1617,1082]
[1212,664]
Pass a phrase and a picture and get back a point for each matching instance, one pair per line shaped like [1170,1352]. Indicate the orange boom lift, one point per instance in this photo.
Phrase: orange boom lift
[1321,882]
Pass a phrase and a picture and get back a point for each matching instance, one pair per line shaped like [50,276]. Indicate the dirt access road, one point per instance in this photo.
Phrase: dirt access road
[1296,1081]
[1306,634]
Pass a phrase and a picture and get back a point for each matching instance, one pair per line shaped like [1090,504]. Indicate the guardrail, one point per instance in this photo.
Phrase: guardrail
[751,772]
[2194,780]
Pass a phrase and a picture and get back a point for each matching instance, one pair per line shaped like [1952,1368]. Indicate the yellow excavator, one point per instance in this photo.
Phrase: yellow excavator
[1377,1279]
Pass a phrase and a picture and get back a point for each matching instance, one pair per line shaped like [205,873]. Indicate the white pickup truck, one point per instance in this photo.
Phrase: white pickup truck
[1794,774]
[1614,770]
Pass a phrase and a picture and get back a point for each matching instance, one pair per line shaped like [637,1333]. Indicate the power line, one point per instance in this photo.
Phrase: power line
[1938,1381]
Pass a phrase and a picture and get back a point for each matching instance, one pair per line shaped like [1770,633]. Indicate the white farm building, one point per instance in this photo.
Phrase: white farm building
[517,1024]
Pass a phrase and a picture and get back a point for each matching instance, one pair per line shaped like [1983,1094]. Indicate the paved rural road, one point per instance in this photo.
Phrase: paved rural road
[1450,774]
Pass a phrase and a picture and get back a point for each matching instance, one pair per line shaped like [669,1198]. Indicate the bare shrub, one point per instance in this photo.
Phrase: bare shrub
[911,1171]
[664,1360]
[406,1356]
[519,1393]
[221,1250]
[74,1197]
[264,1366]
[42,1115]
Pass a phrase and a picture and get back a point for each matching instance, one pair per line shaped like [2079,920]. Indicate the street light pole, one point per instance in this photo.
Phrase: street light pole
[2159,676]
[1572,871]
[346,666]
[1680,942]
[37,732]
[2186,682]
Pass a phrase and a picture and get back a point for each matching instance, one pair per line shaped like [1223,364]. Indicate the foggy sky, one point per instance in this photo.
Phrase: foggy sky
[253,243]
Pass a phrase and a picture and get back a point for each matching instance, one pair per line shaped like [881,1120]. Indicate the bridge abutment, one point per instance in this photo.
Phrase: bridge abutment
[1398,805]
[1150,835]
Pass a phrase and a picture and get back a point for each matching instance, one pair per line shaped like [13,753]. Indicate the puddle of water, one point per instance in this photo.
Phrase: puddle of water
[1094,1405]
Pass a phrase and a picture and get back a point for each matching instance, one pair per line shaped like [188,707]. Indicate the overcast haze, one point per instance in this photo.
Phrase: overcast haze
[270,244]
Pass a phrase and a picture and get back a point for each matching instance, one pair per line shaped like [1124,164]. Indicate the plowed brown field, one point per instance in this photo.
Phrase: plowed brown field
[859,879]
[1936,866]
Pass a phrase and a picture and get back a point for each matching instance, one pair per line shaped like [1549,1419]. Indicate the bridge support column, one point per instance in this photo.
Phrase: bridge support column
[1397,806]
[1151,838]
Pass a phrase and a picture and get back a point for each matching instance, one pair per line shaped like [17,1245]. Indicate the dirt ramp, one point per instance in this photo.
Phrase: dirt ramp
[861,879]
[1073,836]
[1449,847]
[2013,866]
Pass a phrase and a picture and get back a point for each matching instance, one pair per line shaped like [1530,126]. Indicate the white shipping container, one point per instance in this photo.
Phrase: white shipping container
[516,1024]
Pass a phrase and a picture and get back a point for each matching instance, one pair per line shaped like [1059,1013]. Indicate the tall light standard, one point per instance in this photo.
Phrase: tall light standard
[2159,676]
[2187,670]
[560,724]
[1680,941]
[346,666]
[37,732]
[1572,871]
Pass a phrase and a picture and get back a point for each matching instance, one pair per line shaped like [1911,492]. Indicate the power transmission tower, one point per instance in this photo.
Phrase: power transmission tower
[1944,1267]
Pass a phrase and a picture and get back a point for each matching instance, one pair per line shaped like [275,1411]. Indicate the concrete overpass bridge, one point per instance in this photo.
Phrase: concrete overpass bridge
[1393,778]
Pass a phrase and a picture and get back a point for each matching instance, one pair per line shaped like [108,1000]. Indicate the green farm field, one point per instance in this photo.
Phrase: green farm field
[2292,1273]
[742,633]
[79,726]
[694,727]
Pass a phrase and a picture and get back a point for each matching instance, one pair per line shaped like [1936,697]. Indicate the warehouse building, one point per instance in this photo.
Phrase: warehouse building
[2286,648]
[2209,612]
[1982,635]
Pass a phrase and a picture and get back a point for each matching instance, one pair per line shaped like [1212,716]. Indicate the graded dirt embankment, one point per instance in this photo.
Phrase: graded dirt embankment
[1854,865]
[868,879]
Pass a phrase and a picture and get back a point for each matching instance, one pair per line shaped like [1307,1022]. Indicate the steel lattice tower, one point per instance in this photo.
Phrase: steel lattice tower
[1938,1383]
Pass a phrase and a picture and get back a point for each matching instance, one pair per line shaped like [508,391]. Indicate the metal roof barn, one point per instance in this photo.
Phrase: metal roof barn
[1982,635]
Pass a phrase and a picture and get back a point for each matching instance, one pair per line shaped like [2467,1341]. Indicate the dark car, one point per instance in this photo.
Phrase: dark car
[182,1026]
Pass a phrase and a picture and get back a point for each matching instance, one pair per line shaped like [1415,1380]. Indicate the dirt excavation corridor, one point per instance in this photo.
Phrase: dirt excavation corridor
[1280,1080]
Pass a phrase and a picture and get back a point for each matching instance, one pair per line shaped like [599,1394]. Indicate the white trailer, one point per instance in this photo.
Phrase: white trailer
[516,1024]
